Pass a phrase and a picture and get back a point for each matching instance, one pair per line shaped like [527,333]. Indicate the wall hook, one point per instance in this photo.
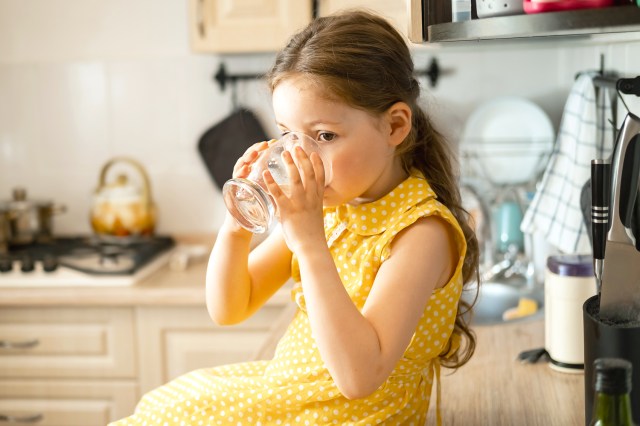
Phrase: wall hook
[222,77]
[433,72]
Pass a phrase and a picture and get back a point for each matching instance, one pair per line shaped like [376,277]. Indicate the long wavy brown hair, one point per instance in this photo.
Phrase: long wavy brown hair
[361,60]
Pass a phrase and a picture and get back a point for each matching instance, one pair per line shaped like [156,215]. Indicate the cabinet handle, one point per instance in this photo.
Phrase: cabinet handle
[35,418]
[27,344]
[200,18]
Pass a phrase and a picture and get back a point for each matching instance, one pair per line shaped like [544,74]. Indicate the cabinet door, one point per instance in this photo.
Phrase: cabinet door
[66,403]
[235,26]
[396,11]
[174,341]
[67,342]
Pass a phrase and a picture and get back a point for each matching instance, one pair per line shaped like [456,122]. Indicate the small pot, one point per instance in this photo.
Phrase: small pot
[28,221]
[5,230]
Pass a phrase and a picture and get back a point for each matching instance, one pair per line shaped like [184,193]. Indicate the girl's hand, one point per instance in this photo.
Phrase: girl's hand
[300,205]
[241,169]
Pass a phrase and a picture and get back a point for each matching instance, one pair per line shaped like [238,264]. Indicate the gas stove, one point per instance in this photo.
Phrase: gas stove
[84,261]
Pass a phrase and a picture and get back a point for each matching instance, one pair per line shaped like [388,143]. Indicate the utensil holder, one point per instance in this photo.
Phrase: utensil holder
[603,339]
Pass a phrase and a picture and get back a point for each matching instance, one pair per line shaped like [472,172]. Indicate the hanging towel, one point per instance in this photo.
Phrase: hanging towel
[584,135]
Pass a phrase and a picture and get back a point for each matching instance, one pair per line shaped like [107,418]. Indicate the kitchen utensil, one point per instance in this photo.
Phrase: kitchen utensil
[585,208]
[537,6]
[222,145]
[600,174]
[120,208]
[568,283]
[507,139]
[620,292]
[605,339]
[489,8]
[248,199]
[28,220]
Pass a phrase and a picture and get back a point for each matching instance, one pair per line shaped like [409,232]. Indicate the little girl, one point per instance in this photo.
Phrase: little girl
[379,254]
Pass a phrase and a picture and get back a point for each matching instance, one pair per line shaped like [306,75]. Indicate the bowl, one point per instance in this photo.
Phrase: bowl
[496,298]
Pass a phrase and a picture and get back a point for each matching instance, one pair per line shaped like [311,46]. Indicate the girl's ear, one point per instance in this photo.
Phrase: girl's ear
[399,121]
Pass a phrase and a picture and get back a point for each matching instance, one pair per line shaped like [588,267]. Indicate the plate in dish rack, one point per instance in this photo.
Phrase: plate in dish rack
[507,140]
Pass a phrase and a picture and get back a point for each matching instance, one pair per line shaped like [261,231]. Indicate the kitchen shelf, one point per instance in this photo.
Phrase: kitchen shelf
[616,19]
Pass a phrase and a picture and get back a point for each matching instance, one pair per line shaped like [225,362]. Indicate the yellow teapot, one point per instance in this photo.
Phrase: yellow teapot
[121,209]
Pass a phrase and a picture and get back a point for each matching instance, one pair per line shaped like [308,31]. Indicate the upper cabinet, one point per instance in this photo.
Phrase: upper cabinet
[244,26]
[397,12]
[437,26]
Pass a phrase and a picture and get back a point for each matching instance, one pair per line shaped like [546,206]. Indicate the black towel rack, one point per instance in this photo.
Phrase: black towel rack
[222,77]
[628,86]
[433,72]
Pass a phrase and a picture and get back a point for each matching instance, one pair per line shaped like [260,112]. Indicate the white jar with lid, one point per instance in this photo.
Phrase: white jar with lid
[569,282]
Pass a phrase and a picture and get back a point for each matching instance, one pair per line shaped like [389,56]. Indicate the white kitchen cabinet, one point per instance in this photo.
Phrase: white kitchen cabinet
[67,342]
[242,26]
[67,366]
[397,11]
[176,340]
[88,366]
[66,402]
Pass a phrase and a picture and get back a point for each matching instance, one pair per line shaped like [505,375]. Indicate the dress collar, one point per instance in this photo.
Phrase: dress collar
[373,218]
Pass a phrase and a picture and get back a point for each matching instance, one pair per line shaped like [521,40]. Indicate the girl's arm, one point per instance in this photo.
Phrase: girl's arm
[360,349]
[239,281]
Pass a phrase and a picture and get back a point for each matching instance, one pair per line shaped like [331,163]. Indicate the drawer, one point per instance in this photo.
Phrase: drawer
[67,343]
[66,403]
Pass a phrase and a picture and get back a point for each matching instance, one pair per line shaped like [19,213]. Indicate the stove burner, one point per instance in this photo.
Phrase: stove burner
[87,254]
[100,263]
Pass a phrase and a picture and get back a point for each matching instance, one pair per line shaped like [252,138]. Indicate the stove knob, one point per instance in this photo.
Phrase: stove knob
[27,264]
[49,263]
[6,264]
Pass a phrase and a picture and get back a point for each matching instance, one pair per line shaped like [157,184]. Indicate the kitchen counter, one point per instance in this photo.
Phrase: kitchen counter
[494,388]
[163,288]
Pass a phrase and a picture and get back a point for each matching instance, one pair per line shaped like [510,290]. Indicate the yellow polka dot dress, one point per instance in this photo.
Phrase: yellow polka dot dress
[295,388]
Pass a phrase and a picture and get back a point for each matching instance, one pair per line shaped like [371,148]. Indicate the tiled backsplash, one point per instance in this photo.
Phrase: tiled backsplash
[82,81]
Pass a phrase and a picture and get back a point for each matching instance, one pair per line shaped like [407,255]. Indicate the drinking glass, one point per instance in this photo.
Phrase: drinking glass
[248,199]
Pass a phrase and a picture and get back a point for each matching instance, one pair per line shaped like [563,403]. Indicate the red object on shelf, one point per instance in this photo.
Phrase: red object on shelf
[557,6]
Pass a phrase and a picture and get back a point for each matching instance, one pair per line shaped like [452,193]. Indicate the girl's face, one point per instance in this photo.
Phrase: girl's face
[359,146]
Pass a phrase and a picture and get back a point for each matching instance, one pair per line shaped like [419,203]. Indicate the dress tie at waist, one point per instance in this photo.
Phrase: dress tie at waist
[454,345]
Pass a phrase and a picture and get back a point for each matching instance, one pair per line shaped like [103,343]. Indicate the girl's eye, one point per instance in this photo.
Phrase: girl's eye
[326,137]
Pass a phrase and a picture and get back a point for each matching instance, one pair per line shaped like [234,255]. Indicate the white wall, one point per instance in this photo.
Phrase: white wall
[82,81]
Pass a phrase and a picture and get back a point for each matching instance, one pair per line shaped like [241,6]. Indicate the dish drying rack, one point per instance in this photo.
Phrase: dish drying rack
[481,174]
[482,162]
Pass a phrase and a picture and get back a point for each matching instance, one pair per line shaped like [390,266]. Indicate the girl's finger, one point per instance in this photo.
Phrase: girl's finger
[252,153]
[240,169]
[295,180]
[272,186]
[248,158]
[318,167]
[304,166]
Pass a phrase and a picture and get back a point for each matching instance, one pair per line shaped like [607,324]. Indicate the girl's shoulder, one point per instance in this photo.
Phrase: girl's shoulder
[411,198]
